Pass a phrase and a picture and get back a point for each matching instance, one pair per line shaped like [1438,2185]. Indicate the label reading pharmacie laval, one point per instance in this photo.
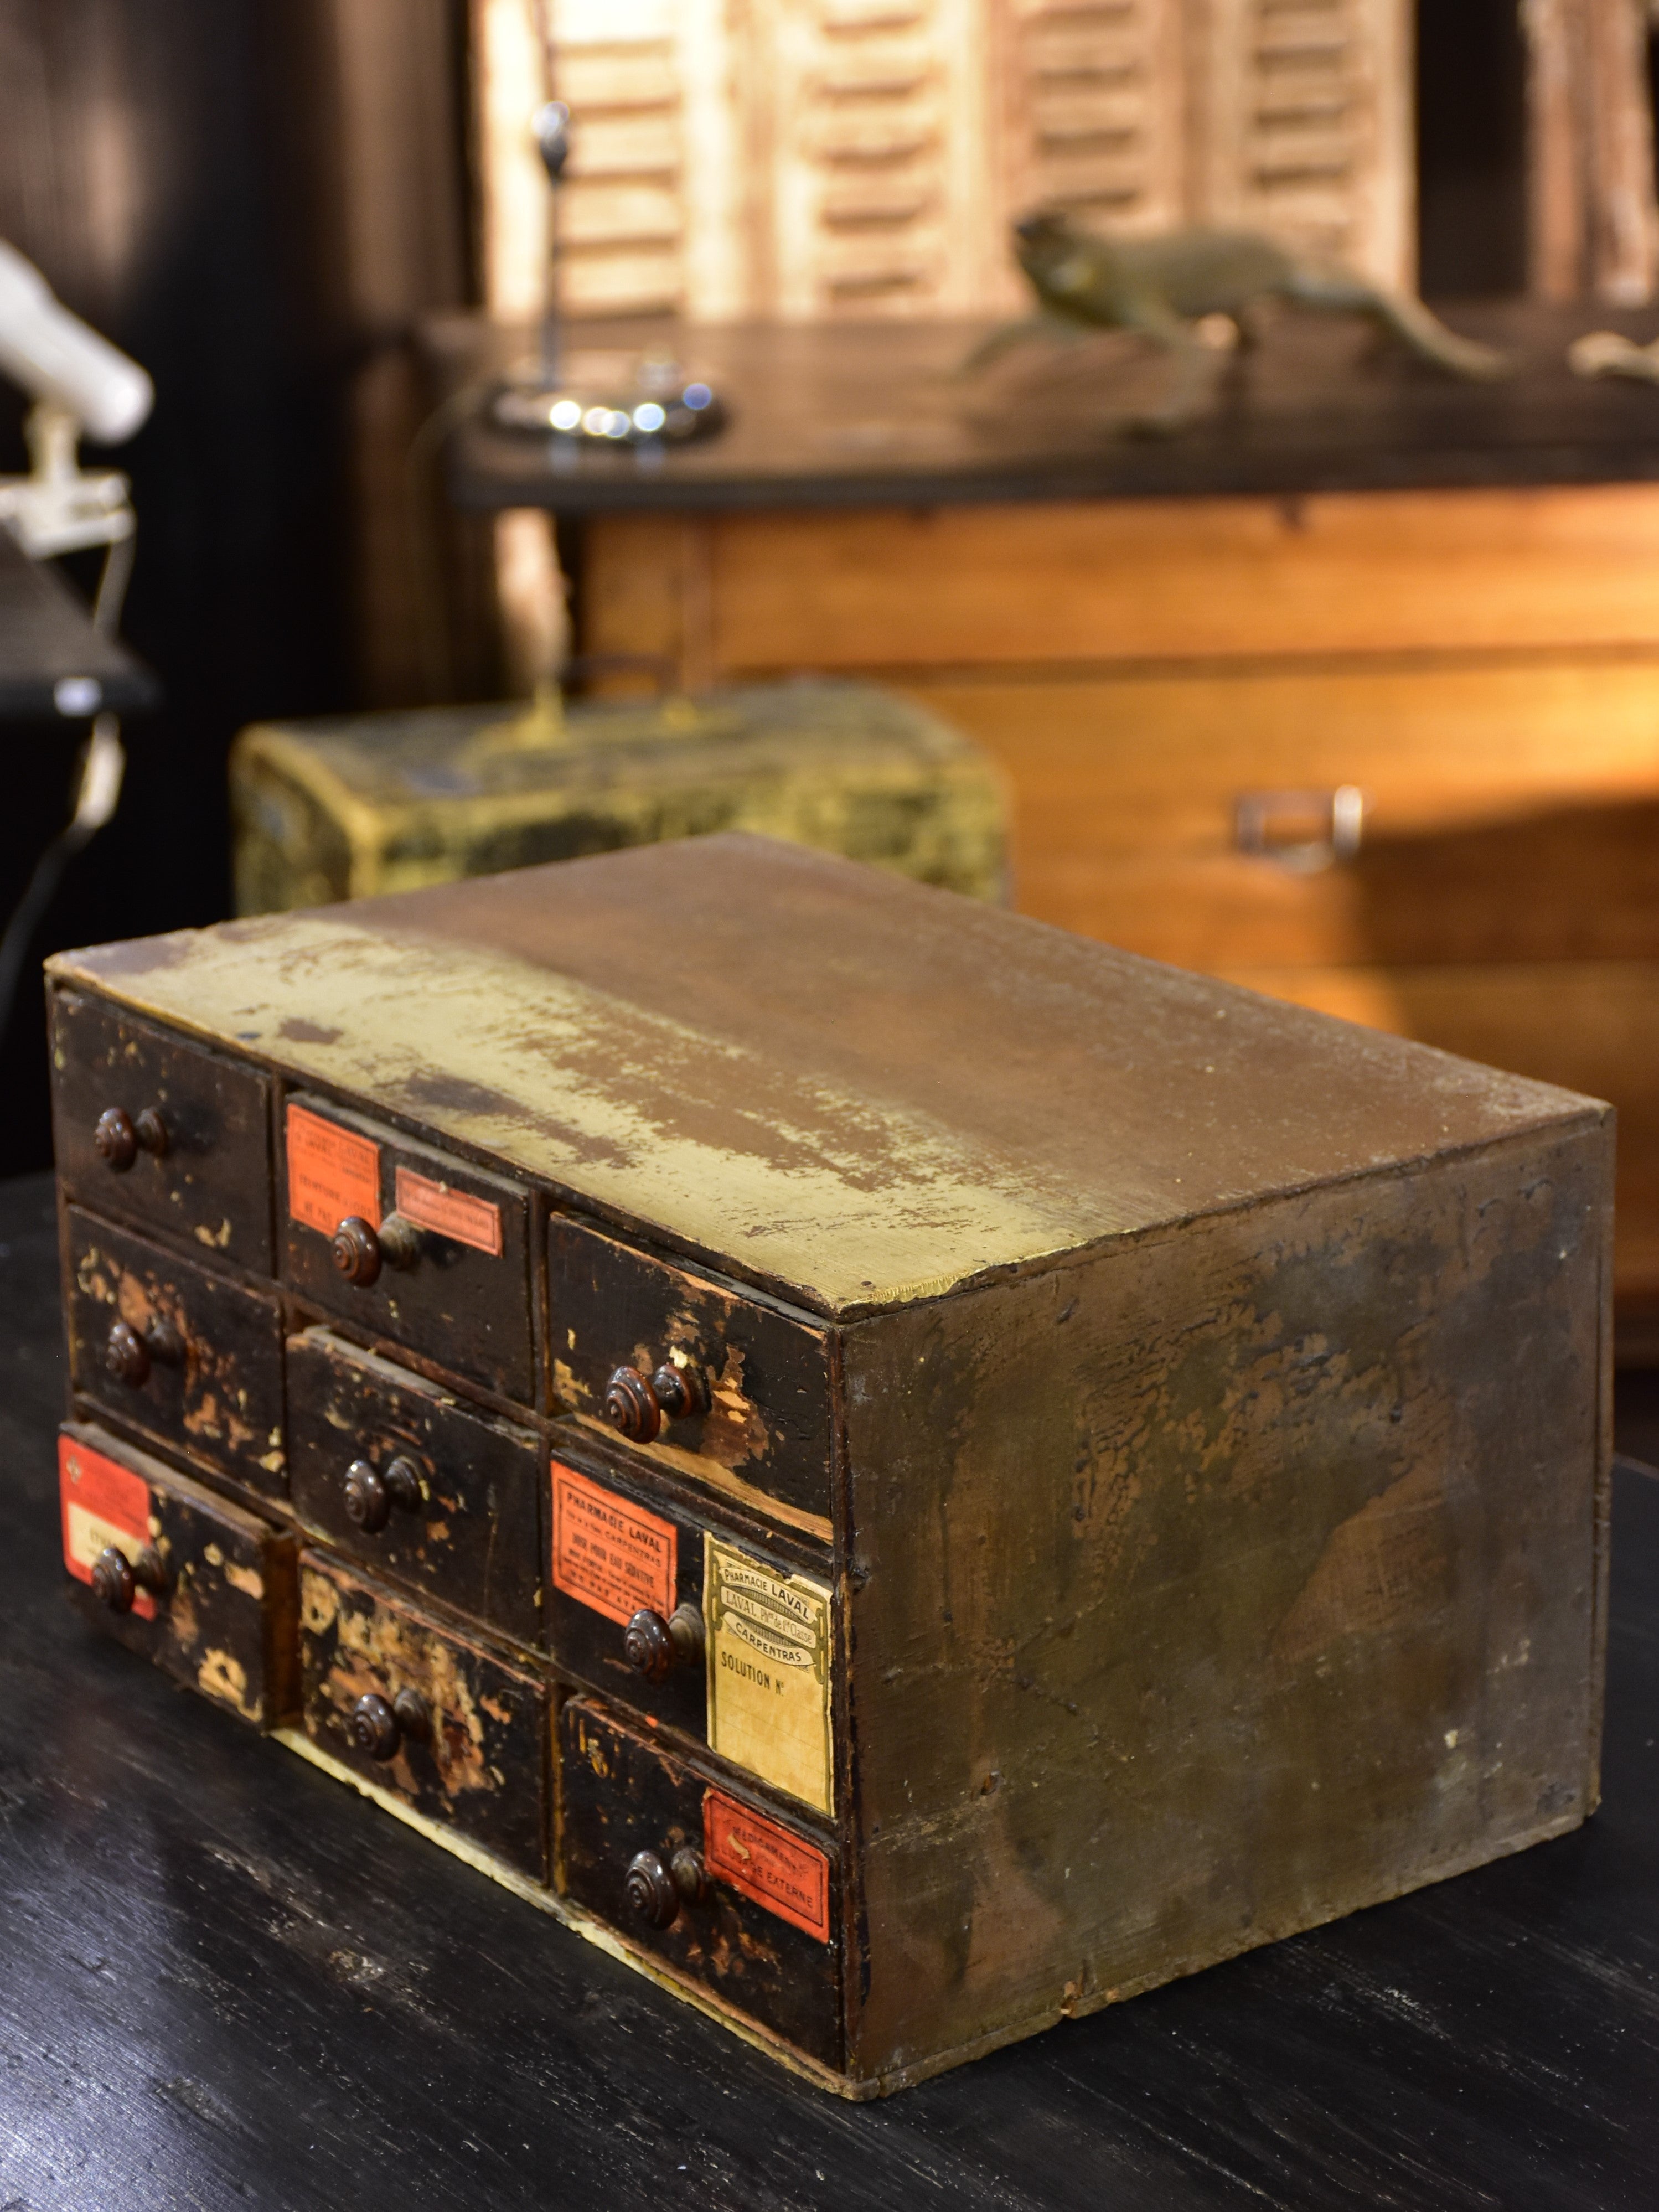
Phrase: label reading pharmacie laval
[768,1639]
[456,1214]
[761,1858]
[104,1504]
[612,1555]
[333,1174]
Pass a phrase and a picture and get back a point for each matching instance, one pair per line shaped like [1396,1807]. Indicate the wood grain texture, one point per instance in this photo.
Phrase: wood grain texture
[219,1402]
[226,1625]
[766,1434]
[1259,1586]
[475,1540]
[200,1944]
[484,1771]
[622,1792]
[467,1308]
[713,1040]
[212,1185]
[1136,580]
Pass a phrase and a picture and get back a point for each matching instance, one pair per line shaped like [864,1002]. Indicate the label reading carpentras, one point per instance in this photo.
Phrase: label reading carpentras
[611,1555]
[105,1504]
[333,1174]
[768,1639]
[763,1860]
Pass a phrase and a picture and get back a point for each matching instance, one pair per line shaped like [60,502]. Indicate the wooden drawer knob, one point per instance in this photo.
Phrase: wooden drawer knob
[638,1405]
[657,1888]
[655,1646]
[117,1580]
[381,1729]
[370,1493]
[130,1353]
[119,1139]
[361,1250]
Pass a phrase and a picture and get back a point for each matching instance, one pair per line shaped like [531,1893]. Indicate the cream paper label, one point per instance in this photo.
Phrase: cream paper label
[768,1640]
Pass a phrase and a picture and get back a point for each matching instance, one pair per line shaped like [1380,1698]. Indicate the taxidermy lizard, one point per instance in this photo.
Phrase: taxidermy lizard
[1162,287]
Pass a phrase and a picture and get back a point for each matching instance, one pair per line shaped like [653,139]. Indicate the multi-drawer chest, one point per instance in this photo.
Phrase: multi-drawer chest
[910,1473]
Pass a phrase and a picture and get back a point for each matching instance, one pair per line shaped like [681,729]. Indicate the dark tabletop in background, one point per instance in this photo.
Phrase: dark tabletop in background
[874,413]
[46,633]
[225,1980]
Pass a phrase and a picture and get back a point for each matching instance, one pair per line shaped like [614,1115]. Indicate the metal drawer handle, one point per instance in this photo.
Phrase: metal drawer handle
[361,1250]
[370,1493]
[1305,831]
[119,1137]
[657,1887]
[639,1404]
[654,1647]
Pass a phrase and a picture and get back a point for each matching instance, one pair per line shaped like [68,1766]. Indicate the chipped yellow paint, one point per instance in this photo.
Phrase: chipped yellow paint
[213,1555]
[568,1082]
[710,1471]
[224,1679]
[217,1240]
[248,1580]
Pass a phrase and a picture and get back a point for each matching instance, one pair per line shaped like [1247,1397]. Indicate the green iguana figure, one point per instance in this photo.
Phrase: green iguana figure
[1162,287]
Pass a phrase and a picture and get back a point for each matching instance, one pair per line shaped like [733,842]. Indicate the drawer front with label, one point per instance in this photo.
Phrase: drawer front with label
[456,1731]
[741,1899]
[160,1131]
[709,1380]
[397,1472]
[690,1625]
[406,1242]
[186,1354]
[206,1591]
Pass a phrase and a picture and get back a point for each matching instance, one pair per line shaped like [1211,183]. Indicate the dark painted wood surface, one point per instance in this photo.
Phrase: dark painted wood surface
[227,1981]
[855,414]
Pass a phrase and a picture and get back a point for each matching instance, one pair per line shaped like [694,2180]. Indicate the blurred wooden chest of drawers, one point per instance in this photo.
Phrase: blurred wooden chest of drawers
[912,1473]
[1393,754]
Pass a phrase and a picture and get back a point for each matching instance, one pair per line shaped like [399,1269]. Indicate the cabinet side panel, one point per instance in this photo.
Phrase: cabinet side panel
[1217,1587]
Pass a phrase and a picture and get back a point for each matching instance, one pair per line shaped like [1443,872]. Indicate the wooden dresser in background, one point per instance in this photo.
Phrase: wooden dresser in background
[1385,743]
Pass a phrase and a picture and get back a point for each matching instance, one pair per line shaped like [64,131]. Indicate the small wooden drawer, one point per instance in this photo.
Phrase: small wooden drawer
[737,1898]
[407,1243]
[160,1131]
[396,1471]
[751,1411]
[692,1627]
[177,1351]
[206,1591]
[457,1732]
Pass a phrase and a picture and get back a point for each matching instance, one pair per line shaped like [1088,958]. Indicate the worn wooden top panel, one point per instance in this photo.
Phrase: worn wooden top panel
[856,1090]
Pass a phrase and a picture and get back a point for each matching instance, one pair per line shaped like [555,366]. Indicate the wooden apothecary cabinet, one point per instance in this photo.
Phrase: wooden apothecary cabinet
[918,1473]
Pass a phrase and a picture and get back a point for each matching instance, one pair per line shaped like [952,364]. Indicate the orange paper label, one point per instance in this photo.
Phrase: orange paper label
[783,1872]
[613,1556]
[452,1213]
[333,1173]
[104,1504]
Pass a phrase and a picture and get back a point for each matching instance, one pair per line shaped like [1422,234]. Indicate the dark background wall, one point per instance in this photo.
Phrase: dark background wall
[252,197]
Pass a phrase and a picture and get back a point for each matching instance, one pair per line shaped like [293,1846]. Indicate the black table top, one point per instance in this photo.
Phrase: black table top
[46,635]
[226,1980]
[873,413]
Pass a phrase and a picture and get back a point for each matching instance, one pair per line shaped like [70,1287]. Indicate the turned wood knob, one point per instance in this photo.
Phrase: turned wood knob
[361,1250]
[652,1890]
[119,1139]
[370,1493]
[638,1404]
[655,1646]
[680,1391]
[381,1729]
[130,1354]
[117,1580]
